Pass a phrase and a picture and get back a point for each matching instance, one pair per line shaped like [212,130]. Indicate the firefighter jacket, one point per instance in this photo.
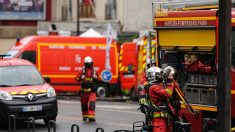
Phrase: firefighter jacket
[87,77]
[159,95]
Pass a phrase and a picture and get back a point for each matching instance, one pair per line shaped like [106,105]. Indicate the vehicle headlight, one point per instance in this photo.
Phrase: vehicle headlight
[51,92]
[5,96]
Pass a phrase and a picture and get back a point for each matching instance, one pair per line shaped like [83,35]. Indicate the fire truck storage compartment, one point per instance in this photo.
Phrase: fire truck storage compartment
[208,96]
[202,78]
[200,94]
[192,94]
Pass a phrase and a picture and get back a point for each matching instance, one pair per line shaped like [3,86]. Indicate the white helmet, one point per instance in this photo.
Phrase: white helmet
[88,62]
[150,63]
[170,72]
[154,74]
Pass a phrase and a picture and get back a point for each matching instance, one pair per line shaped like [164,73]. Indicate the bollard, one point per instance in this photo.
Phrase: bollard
[11,123]
[51,124]
[73,126]
[30,122]
[122,131]
[99,130]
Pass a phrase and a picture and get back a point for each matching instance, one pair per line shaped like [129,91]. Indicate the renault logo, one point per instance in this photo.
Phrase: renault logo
[30,97]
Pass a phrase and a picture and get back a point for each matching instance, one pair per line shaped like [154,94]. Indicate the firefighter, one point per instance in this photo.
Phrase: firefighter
[87,78]
[144,81]
[159,93]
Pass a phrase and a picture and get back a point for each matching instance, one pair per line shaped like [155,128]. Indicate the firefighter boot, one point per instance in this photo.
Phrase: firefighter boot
[92,119]
[84,118]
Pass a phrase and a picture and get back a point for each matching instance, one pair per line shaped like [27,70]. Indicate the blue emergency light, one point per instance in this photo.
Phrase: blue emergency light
[4,55]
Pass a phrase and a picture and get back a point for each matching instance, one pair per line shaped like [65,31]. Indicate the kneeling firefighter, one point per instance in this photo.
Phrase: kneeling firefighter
[159,93]
[87,78]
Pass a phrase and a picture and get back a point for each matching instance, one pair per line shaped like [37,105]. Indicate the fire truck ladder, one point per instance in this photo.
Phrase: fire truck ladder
[151,47]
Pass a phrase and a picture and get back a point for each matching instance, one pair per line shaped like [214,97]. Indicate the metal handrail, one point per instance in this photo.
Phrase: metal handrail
[99,130]
[11,123]
[74,126]
[52,124]
[31,122]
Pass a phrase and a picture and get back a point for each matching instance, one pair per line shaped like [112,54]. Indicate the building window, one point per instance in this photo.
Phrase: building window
[87,9]
[110,10]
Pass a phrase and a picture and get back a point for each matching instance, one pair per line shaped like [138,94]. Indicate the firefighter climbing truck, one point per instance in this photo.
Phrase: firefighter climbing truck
[188,41]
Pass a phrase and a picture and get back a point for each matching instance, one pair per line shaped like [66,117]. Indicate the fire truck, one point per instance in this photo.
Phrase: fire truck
[133,57]
[60,58]
[188,41]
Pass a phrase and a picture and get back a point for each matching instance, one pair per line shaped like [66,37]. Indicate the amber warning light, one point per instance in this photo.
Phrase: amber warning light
[17,42]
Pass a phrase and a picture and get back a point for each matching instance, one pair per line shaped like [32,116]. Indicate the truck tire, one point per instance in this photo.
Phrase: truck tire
[101,90]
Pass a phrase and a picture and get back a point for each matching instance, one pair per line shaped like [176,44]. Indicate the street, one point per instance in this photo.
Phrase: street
[109,115]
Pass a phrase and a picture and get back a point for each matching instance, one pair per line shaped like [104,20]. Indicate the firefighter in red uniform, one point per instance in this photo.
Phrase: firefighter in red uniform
[144,81]
[158,94]
[87,78]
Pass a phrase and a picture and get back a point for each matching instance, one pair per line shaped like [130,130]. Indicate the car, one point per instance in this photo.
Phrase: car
[24,92]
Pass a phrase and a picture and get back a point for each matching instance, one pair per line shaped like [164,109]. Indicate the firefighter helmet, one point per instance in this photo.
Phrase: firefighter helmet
[88,62]
[170,72]
[150,63]
[154,74]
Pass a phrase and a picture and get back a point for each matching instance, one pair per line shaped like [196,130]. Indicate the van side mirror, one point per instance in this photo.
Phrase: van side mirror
[47,79]
[130,68]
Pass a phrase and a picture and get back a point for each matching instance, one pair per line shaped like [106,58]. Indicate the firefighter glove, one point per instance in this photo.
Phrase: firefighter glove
[95,76]
[83,76]
[140,87]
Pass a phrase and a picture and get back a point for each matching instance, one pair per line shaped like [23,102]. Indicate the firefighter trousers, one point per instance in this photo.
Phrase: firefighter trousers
[88,100]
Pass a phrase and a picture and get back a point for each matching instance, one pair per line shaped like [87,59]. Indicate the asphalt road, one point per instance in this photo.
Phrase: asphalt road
[110,116]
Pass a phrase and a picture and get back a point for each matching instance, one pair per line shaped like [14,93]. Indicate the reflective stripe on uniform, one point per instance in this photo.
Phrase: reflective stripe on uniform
[91,116]
[143,101]
[160,114]
[86,90]
[85,116]
[88,79]
[169,91]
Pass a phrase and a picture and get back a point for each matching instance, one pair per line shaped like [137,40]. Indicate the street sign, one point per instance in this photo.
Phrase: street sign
[106,75]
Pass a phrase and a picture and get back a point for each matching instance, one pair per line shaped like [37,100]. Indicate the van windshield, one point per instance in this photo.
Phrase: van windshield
[11,53]
[19,76]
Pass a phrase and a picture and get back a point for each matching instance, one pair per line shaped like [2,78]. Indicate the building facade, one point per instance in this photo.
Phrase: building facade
[125,16]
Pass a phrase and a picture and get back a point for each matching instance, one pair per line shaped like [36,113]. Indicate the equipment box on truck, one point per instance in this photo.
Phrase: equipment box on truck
[61,58]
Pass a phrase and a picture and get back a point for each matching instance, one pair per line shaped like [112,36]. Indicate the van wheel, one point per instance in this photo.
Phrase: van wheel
[101,91]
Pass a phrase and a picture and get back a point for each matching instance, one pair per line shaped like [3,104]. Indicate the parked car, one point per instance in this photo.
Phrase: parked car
[24,93]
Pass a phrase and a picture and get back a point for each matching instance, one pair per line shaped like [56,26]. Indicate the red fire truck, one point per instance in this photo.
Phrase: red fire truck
[188,41]
[132,62]
[61,58]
